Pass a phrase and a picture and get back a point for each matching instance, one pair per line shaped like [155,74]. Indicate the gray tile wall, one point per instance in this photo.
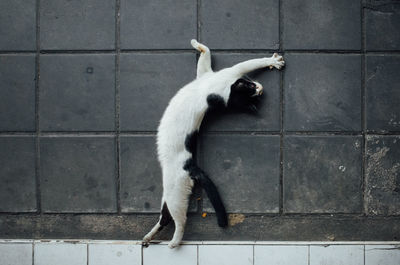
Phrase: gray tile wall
[83,85]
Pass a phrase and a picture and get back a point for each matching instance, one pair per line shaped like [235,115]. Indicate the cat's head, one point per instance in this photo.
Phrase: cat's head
[244,95]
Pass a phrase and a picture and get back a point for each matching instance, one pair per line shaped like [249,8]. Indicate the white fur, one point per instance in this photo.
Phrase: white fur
[184,115]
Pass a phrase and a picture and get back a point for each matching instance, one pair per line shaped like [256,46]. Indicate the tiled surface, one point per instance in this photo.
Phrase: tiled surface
[236,24]
[383,175]
[78,174]
[121,254]
[77,93]
[18,25]
[382,255]
[233,255]
[161,25]
[281,255]
[383,93]
[337,255]
[17,174]
[17,93]
[60,253]
[83,85]
[14,253]
[77,25]
[89,252]
[245,188]
[322,174]
[322,92]
[321,24]
[148,81]
[162,255]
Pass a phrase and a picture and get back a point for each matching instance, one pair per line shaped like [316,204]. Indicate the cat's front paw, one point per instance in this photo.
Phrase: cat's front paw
[276,61]
[173,244]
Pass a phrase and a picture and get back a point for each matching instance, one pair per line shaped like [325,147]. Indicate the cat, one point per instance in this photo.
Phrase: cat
[178,128]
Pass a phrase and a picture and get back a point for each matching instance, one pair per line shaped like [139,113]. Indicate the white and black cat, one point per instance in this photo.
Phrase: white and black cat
[177,133]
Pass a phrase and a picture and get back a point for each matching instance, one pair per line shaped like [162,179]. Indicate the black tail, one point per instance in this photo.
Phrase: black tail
[212,192]
[215,199]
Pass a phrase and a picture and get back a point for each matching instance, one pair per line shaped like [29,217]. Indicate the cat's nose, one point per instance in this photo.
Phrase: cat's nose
[259,89]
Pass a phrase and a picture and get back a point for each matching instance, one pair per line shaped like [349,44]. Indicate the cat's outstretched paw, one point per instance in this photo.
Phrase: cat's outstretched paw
[198,46]
[277,61]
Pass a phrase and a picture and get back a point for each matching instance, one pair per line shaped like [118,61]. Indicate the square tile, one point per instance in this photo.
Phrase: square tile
[232,255]
[121,254]
[78,174]
[382,174]
[163,255]
[77,92]
[158,24]
[322,174]
[280,255]
[18,25]
[60,254]
[382,23]
[245,170]
[17,93]
[382,255]
[15,254]
[383,93]
[148,82]
[77,25]
[141,179]
[322,92]
[235,24]
[337,255]
[17,174]
[267,117]
[324,24]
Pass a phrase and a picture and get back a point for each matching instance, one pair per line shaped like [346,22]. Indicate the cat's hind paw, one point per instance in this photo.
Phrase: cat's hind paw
[198,46]
[173,244]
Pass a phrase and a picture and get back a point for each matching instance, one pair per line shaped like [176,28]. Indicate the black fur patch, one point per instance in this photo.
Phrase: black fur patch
[200,177]
[165,217]
[215,102]
[191,142]
[242,96]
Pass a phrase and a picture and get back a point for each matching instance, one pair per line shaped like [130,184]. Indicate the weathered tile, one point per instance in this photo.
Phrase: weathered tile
[121,254]
[78,174]
[141,183]
[337,255]
[77,92]
[162,255]
[17,174]
[15,254]
[158,24]
[382,175]
[383,93]
[382,255]
[60,254]
[77,25]
[17,93]
[382,25]
[148,82]
[245,170]
[322,92]
[237,24]
[322,174]
[280,255]
[233,255]
[267,116]
[18,25]
[324,24]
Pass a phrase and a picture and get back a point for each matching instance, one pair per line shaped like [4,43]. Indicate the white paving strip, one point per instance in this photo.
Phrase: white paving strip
[105,252]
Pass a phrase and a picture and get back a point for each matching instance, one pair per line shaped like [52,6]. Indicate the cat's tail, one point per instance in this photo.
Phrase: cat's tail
[215,199]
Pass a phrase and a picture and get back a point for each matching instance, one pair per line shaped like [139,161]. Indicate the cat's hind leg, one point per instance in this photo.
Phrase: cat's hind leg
[165,218]
[204,63]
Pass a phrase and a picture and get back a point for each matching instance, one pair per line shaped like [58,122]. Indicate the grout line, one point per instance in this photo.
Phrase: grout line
[33,253]
[363,109]
[253,254]
[281,114]
[87,254]
[364,254]
[37,111]
[141,253]
[198,17]
[198,257]
[117,102]
[309,254]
